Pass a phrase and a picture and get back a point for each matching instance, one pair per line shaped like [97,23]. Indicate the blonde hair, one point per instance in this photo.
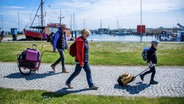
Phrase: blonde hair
[85,31]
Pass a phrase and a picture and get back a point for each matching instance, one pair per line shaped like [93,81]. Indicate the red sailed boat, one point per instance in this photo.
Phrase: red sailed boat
[38,34]
[42,32]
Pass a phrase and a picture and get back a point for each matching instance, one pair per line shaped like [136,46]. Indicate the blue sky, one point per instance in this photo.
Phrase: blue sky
[156,13]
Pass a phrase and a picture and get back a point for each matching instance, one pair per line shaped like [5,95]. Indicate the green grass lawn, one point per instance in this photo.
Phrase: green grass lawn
[9,96]
[102,53]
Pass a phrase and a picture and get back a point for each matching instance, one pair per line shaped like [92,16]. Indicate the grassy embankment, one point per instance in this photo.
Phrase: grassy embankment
[103,53]
[9,96]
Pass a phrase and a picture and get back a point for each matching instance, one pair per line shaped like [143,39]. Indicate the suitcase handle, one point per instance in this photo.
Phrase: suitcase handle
[141,72]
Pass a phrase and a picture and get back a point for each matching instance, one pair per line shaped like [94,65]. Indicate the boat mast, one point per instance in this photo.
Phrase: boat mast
[100,23]
[42,16]
[74,26]
[2,21]
[117,24]
[84,23]
[18,22]
[60,18]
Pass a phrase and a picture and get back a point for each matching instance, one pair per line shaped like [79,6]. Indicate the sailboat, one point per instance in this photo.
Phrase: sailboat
[41,32]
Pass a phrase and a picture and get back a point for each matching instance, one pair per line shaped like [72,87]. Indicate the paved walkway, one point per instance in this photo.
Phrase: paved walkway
[171,80]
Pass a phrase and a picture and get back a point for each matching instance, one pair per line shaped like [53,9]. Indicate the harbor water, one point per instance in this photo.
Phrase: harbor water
[125,38]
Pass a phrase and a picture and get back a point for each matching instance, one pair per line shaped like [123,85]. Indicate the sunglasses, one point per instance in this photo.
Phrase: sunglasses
[87,35]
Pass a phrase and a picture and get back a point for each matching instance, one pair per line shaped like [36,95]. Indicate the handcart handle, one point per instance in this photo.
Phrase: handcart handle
[47,51]
[41,48]
[34,45]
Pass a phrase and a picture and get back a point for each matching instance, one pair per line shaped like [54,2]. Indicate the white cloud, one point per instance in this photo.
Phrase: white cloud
[126,11]
[162,5]
[10,17]
[12,7]
[111,10]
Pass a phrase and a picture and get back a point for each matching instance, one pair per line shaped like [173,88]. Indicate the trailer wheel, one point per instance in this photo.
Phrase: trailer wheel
[25,70]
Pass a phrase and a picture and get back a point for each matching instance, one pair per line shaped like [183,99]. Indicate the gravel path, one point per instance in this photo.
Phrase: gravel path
[170,78]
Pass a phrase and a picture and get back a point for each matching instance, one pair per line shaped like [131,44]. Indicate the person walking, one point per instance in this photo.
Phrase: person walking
[60,43]
[82,56]
[152,61]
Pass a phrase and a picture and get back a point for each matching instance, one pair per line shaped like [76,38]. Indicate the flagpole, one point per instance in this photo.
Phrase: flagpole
[141,19]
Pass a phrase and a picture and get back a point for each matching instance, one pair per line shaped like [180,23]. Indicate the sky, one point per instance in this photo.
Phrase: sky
[155,13]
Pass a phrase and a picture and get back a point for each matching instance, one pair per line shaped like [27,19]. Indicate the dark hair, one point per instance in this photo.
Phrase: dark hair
[63,26]
[154,42]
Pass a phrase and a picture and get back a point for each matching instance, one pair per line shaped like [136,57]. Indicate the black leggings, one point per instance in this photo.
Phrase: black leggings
[153,71]
[60,59]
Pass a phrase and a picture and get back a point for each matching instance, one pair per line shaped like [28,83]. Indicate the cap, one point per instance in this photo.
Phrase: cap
[154,42]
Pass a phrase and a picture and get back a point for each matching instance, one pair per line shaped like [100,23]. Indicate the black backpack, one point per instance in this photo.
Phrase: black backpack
[49,37]
[52,38]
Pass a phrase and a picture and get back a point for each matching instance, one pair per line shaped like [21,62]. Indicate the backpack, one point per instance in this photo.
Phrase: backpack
[52,38]
[144,53]
[72,49]
[22,56]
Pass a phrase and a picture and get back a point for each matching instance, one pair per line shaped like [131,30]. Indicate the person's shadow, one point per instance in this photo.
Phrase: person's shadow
[31,76]
[62,92]
[135,89]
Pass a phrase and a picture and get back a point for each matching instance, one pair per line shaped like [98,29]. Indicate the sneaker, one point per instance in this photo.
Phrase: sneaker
[153,82]
[65,71]
[142,77]
[94,88]
[69,86]
[53,67]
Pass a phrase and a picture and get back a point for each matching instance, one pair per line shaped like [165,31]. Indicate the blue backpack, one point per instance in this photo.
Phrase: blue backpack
[144,53]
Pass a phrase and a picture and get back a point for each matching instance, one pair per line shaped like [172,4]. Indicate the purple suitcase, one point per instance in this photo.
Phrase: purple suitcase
[32,55]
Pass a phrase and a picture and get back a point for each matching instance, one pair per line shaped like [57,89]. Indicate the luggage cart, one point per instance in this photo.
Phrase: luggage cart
[30,59]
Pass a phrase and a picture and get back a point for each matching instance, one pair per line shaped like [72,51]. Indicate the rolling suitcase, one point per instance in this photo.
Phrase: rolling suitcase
[126,78]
